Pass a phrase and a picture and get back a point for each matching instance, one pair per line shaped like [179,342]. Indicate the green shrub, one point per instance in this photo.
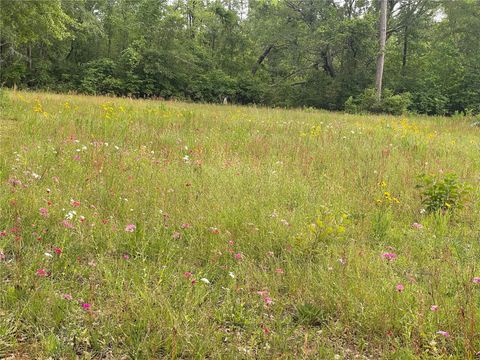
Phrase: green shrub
[442,194]
[367,102]
[99,78]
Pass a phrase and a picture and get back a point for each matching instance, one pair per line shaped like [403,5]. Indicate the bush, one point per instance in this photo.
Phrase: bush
[99,78]
[442,194]
[429,102]
[367,102]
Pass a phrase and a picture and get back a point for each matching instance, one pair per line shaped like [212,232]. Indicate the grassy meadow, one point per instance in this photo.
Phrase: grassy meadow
[137,229]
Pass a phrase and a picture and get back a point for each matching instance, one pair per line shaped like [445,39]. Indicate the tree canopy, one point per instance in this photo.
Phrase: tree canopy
[315,53]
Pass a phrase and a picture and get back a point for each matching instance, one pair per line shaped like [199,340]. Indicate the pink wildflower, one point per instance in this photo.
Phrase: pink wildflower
[2,256]
[86,306]
[476,280]
[130,228]
[262,293]
[417,226]
[268,300]
[42,273]
[443,333]
[57,250]
[176,235]
[238,256]
[187,274]
[279,271]
[186,226]
[126,256]
[400,287]
[43,212]
[67,297]
[67,224]
[389,256]
[434,307]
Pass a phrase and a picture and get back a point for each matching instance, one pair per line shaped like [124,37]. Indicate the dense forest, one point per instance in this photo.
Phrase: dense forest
[312,53]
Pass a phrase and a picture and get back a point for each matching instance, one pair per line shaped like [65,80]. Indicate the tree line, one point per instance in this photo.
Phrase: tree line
[312,53]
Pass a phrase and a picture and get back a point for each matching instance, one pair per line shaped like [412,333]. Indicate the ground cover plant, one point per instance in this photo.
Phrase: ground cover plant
[149,229]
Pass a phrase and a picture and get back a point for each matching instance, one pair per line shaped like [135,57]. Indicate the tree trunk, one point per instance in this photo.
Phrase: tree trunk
[29,52]
[327,63]
[405,51]
[261,58]
[381,53]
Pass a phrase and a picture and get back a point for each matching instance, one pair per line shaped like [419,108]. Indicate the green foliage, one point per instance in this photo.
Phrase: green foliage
[311,315]
[99,78]
[443,194]
[294,54]
[4,101]
[367,102]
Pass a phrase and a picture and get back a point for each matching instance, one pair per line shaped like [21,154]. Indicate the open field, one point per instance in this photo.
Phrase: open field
[145,230]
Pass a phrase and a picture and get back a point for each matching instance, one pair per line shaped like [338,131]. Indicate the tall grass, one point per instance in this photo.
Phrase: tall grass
[144,229]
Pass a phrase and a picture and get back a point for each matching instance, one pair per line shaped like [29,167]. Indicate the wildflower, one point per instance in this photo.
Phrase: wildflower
[389,256]
[231,274]
[265,329]
[443,333]
[86,306]
[262,293]
[342,261]
[2,256]
[204,280]
[214,230]
[74,203]
[43,212]
[186,226]
[130,228]
[268,300]
[238,256]
[67,297]
[434,307]
[417,226]
[42,273]
[400,287]
[176,235]
[279,271]
[70,215]
[187,274]
[476,280]
[284,222]
[126,256]
[67,224]
[57,250]
[47,254]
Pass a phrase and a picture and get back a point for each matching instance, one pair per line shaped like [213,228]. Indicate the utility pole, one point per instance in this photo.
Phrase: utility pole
[381,53]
